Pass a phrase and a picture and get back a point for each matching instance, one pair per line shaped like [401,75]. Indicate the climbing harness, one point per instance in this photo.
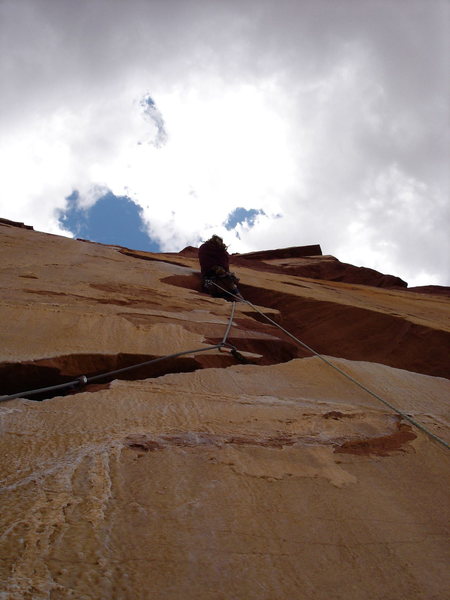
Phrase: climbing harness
[84,380]
[227,279]
[349,377]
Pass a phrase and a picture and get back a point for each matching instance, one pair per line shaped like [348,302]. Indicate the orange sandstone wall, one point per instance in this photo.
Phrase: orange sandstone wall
[203,478]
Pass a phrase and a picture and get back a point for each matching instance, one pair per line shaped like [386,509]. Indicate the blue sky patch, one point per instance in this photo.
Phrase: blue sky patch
[153,115]
[111,220]
[242,216]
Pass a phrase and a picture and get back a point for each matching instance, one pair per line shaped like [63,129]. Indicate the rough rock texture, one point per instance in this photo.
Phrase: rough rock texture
[199,477]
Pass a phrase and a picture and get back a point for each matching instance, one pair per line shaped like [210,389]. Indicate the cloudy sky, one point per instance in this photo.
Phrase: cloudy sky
[271,122]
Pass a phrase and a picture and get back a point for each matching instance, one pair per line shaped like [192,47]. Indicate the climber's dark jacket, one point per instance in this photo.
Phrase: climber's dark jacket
[211,255]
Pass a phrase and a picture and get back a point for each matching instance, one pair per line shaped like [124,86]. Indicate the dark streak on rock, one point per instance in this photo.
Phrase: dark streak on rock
[197,439]
[145,445]
[379,446]
[191,440]
[333,414]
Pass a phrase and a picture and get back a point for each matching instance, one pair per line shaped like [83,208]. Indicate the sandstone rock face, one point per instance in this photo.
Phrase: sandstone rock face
[200,477]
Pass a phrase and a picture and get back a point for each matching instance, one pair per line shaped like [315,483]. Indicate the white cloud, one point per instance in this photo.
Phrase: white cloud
[331,115]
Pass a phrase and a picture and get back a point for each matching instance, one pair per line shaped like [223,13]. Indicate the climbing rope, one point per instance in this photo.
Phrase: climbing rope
[339,370]
[83,379]
[230,322]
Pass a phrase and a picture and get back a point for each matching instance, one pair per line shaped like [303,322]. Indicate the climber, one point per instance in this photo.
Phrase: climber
[214,265]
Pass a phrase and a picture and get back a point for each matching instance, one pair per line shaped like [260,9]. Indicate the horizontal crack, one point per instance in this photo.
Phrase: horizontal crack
[380,445]
[31,375]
